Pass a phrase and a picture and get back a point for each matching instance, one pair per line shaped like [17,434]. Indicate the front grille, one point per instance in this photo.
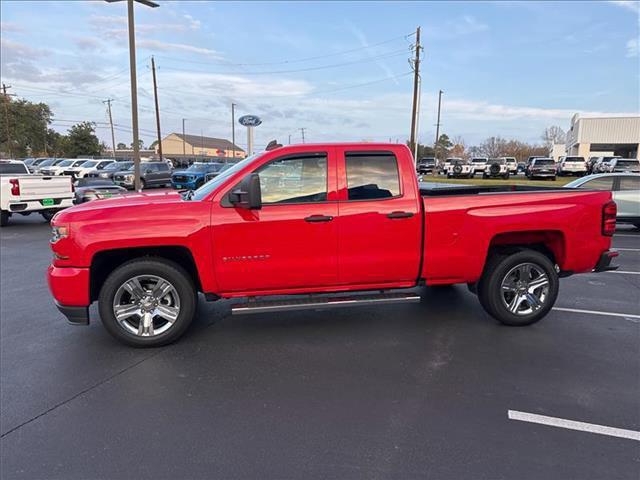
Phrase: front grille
[181,179]
[68,172]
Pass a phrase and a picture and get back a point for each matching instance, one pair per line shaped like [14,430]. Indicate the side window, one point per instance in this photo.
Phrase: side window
[630,183]
[605,183]
[294,180]
[372,175]
[163,167]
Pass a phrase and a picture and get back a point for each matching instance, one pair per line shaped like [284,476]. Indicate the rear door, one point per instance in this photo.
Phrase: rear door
[379,223]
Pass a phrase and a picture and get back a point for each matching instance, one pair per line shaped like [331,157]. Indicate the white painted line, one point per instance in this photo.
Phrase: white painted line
[623,272]
[627,249]
[623,235]
[596,312]
[573,425]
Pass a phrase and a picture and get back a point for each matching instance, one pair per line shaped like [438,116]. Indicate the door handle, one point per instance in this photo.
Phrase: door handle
[393,215]
[318,218]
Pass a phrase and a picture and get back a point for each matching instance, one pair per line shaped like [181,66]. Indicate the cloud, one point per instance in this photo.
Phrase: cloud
[20,50]
[6,27]
[629,5]
[176,47]
[193,23]
[88,43]
[632,48]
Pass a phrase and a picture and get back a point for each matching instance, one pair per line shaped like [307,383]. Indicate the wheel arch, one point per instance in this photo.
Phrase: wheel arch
[106,261]
[550,243]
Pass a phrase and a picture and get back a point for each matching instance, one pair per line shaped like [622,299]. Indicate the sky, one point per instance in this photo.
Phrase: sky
[340,70]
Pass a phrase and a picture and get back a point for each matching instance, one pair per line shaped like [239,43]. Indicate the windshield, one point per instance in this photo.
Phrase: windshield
[627,163]
[479,160]
[574,159]
[211,185]
[8,168]
[500,161]
[89,164]
[46,163]
[204,167]
[65,163]
[118,166]
[543,161]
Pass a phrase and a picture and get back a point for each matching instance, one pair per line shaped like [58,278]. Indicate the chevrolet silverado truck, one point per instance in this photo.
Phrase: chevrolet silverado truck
[22,193]
[324,225]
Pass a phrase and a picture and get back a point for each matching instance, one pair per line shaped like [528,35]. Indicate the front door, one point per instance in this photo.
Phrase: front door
[291,242]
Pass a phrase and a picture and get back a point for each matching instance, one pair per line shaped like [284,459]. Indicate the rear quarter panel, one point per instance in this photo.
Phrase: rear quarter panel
[459,230]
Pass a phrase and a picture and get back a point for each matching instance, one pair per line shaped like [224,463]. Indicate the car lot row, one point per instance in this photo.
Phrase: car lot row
[535,167]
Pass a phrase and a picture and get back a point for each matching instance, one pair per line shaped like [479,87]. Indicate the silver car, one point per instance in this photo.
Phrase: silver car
[626,192]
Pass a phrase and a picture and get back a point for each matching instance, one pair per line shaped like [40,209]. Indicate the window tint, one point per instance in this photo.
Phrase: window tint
[372,175]
[163,167]
[12,168]
[630,183]
[294,180]
[605,183]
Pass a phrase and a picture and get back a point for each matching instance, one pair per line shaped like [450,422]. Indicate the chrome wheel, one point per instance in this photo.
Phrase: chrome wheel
[146,305]
[525,289]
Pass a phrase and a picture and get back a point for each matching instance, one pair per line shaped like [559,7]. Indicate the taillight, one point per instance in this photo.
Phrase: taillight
[15,186]
[609,218]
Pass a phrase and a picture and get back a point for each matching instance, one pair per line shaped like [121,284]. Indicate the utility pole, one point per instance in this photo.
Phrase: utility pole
[6,117]
[416,77]
[233,131]
[184,142]
[302,130]
[134,86]
[435,144]
[289,139]
[113,136]
[155,94]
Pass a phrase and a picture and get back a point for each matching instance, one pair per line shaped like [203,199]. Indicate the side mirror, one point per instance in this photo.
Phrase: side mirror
[247,194]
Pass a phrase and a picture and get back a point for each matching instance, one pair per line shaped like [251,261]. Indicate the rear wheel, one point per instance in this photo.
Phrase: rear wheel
[147,303]
[518,289]
[4,218]
[47,215]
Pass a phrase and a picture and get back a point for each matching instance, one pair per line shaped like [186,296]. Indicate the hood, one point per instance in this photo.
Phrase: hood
[187,172]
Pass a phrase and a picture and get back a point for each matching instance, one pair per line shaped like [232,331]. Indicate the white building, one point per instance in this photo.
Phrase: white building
[604,136]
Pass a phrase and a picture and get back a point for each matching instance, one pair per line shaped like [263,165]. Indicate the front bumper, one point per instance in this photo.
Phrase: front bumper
[604,263]
[535,173]
[75,315]
[184,185]
[70,289]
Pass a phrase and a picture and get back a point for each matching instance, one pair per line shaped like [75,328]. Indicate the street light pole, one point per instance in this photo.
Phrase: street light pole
[233,131]
[134,86]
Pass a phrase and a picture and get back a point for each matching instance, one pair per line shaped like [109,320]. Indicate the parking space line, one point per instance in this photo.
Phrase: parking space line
[624,272]
[573,425]
[623,235]
[627,249]
[596,312]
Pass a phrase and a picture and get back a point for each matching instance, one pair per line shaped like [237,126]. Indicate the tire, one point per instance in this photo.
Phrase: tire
[506,176]
[4,218]
[48,214]
[553,179]
[148,268]
[143,184]
[503,268]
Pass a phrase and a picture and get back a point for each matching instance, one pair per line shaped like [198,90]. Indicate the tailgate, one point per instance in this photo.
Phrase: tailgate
[37,188]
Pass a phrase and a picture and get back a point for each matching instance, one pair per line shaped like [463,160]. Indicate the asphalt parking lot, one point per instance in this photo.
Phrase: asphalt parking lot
[405,391]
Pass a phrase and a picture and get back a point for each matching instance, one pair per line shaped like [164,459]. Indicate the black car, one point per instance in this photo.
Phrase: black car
[426,165]
[152,174]
[542,168]
[87,189]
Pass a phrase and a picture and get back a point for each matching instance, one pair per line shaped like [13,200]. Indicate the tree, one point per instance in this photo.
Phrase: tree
[27,129]
[81,140]
[493,147]
[442,146]
[424,150]
[153,145]
[553,135]
[459,147]
[140,144]
[121,146]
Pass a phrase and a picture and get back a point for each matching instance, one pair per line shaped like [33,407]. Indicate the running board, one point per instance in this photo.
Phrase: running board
[321,302]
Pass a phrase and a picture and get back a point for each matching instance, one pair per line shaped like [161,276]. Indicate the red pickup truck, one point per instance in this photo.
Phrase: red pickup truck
[322,222]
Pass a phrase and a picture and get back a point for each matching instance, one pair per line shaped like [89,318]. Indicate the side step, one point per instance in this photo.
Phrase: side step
[316,302]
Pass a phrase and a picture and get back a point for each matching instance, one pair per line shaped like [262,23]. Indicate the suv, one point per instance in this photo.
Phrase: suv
[512,164]
[152,174]
[195,176]
[83,169]
[426,165]
[108,171]
[622,165]
[496,167]
[459,168]
[572,166]
[479,163]
[542,168]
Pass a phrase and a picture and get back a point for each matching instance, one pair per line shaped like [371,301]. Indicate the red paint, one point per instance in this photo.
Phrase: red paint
[274,251]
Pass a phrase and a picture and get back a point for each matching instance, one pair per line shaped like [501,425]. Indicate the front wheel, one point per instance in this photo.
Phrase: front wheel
[148,302]
[518,289]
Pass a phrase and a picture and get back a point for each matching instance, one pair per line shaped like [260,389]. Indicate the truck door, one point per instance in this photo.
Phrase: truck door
[379,223]
[291,242]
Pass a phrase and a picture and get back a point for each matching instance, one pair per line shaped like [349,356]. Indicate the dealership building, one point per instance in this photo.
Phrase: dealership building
[604,136]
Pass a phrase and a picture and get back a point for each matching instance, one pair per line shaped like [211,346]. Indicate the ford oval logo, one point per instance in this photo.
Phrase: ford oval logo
[249,121]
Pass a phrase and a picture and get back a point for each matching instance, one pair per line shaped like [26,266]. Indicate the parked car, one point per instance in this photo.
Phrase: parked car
[542,168]
[459,168]
[512,165]
[66,167]
[195,176]
[522,167]
[626,192]
[211,175]
[479,164]
[144,258]
[24,193]
[83,169]
[152,174]
[602,164]
[35,162]
[496,167]
[572,166]
[529,162]
[426,165]
[88,189]
[44,167]
[108,171]
[590,164]
[622,165]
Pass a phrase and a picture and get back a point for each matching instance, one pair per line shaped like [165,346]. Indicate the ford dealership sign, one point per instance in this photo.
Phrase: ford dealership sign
[249,121]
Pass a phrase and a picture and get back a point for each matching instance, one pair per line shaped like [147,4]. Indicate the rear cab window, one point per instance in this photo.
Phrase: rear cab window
[372,175]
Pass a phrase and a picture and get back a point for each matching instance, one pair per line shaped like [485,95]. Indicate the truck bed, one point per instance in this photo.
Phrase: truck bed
[437,189]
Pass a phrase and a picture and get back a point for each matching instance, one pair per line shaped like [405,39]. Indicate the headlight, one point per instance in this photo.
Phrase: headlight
[59,232]
[104,175]
[129,178]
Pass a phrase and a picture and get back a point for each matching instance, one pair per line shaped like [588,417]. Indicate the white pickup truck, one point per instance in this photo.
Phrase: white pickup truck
[23,193]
